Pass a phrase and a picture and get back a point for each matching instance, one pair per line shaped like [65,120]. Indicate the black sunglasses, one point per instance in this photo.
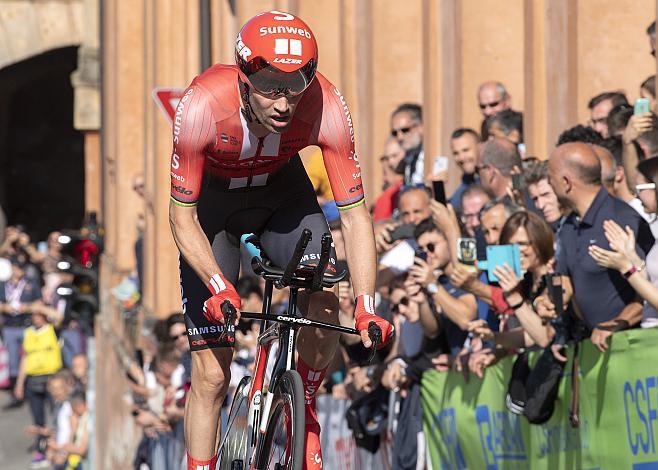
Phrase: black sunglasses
[403,301]
[402,130]
[429,248]
[493,104]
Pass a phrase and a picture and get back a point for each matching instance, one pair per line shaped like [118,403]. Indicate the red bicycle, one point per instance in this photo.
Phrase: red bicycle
[266,424]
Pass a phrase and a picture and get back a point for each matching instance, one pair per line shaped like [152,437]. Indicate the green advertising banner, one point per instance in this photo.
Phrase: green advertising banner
[467,424]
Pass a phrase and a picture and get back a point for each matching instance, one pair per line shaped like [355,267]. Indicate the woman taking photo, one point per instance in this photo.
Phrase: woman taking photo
[535,240]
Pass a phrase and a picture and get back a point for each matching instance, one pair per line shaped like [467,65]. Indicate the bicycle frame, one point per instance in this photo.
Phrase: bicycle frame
[272,328]
[281,328]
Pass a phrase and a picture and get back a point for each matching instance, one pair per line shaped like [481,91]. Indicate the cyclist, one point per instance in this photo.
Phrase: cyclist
[235,169]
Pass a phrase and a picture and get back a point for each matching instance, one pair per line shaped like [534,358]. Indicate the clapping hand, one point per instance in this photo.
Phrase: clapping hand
[622,242]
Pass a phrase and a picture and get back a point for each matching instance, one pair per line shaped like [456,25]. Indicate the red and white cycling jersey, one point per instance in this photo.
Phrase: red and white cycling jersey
[211,136]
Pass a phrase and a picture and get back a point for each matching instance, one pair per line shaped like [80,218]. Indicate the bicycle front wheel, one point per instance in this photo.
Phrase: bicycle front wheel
[233,450]
[283,445]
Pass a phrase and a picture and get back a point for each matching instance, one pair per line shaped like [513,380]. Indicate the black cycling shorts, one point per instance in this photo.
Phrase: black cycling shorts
[276,212]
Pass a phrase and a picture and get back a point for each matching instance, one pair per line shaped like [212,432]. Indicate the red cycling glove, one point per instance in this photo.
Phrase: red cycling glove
[364,313]
[222,290]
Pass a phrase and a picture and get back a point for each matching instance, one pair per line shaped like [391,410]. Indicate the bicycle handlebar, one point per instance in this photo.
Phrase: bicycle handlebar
[301,277]
[374,331]
[271,273]
[318,273]
[296,257]
[375,334]
[229,312]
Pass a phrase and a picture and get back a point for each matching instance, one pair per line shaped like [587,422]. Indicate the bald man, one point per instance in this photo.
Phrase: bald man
[605,299]
[608,169]
[493,98]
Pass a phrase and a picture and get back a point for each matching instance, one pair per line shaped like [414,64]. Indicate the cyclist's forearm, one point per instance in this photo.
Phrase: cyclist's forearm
[192,242]
[360,249]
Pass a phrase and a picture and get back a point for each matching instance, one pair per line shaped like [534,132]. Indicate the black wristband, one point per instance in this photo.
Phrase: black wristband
[514,307]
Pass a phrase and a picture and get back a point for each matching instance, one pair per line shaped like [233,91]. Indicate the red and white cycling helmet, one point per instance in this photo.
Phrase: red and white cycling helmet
[277,54]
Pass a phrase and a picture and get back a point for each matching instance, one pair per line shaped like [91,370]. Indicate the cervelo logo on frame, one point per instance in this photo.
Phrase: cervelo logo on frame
[293,319]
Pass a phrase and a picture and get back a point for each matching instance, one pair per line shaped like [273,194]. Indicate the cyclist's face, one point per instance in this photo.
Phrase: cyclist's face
[275,114]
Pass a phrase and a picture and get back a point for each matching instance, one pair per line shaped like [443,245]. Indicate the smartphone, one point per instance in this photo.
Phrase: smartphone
[440,165]
[516,181]
[139,356]
[439,191]
[497,255]
[554,287]
[402,232]
[641,106]
[467,251]
[420,253]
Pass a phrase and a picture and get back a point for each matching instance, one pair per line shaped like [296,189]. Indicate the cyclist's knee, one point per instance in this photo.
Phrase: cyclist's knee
[323,305]
[210,376]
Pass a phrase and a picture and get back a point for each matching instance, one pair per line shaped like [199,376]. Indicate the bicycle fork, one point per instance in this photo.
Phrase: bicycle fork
[259,411]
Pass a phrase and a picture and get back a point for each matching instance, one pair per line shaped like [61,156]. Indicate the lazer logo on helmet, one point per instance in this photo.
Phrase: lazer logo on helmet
[182,190]
[243,50]
[279,60]
[265,30]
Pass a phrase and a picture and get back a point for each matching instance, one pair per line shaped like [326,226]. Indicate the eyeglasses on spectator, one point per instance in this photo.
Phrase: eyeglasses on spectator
[403,130]
[403,301]
[493,104]
[429,248]
[642,187]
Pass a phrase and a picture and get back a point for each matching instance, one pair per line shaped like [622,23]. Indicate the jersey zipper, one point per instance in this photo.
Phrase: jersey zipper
[259,149]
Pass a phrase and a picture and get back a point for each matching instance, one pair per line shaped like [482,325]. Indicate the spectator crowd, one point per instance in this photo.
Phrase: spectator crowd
[44,365]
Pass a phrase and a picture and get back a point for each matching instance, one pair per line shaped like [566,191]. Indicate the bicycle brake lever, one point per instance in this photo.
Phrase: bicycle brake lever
[375,334]
[229,312]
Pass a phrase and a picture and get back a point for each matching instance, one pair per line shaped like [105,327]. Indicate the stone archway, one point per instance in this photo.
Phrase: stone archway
[29,28]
